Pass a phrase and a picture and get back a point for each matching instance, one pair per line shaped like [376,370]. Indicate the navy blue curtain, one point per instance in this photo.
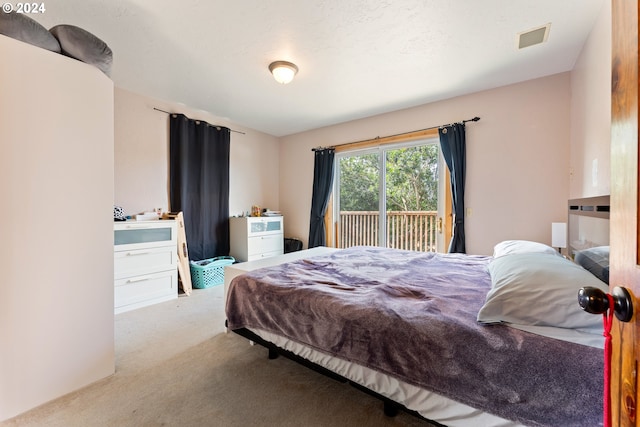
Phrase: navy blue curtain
[199,184]
[453,145]
[322,182]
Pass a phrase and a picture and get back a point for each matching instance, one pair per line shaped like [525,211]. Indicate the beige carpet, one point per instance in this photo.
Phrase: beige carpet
[175,366]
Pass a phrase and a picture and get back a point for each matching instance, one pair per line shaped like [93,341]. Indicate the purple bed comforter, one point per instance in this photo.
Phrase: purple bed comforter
[412,315]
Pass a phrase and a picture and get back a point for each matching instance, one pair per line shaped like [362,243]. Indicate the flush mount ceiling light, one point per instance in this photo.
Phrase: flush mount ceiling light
[283,71]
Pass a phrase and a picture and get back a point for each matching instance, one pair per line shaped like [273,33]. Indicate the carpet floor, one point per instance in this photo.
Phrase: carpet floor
[176,366]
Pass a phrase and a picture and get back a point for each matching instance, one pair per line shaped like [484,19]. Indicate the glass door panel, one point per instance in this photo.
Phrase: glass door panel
[359,200]
[411,197]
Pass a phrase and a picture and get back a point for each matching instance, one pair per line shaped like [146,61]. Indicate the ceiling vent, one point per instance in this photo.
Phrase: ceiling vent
[534,36]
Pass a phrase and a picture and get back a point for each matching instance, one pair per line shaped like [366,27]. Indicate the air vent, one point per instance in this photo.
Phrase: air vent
[533,37]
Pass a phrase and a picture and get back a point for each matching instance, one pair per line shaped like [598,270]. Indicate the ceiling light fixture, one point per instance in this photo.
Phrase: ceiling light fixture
[283,71]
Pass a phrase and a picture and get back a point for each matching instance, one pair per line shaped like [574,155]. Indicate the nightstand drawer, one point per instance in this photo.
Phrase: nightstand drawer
[264,225]
[263,255]
[141,261]
[263,244]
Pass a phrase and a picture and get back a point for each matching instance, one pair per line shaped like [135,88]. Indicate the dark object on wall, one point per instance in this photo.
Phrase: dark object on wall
[292,245]
[199,184]
[84,46]
[20,27]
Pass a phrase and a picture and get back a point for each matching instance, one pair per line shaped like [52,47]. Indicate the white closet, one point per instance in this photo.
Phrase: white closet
[56,187]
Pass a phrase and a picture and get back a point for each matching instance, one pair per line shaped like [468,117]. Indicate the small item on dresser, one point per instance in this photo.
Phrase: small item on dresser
[147,216]
[118,214]
[255,210]
[170,215]
[268,212]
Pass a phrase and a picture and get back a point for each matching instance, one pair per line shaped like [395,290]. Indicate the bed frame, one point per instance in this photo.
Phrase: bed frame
[390,407]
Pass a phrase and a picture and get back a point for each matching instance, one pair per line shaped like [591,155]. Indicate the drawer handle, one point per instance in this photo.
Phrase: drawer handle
[137,253]
[139,279]
[138,227]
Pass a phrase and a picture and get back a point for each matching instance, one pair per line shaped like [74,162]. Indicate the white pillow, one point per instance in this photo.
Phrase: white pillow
[509,247]
[539,290]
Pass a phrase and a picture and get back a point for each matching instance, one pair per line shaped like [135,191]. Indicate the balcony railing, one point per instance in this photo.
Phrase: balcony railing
[411,230]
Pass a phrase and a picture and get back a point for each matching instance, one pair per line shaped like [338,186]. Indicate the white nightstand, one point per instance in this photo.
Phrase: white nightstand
[254,238]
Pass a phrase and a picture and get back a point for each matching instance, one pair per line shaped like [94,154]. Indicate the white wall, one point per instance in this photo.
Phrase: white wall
[56,186]
[142,163]
[591,113]
[517,180]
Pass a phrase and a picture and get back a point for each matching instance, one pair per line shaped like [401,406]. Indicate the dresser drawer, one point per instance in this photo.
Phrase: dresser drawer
[141,261]
[143,289]
[268,243]
[131,235]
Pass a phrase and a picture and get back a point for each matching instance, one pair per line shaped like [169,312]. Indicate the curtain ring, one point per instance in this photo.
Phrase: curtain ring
[444,130]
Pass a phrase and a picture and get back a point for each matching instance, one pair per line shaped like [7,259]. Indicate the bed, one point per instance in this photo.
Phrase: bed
[456,339]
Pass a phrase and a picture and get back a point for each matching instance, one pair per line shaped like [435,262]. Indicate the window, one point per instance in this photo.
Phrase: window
[390,195]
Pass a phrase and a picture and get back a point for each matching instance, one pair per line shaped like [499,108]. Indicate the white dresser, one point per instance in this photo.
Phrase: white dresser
[145,263]
[255,238]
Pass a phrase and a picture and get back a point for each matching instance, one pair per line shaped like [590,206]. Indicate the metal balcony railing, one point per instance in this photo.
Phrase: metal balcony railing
[411,230]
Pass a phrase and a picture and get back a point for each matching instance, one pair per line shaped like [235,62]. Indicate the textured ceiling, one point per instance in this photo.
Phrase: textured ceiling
[356,57]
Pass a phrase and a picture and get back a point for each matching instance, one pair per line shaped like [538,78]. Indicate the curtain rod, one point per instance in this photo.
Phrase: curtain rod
[218,126]
[475,119]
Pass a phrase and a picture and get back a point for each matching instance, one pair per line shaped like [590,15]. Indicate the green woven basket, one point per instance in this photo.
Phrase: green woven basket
[209,272]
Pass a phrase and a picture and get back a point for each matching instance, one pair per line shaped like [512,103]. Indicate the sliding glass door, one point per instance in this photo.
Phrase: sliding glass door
[389,196]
